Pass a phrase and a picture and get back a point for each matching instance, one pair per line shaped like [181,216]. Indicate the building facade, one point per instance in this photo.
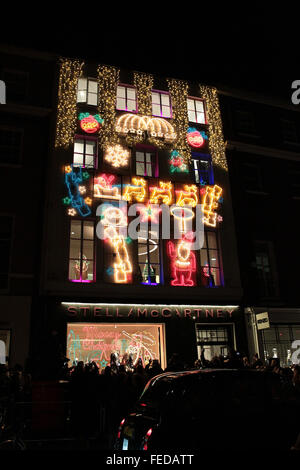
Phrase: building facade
[263,151]
[130,145]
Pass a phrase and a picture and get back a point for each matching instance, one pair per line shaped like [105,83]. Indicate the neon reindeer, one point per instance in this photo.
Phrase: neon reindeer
[162,194]
[136,191]
[188,196]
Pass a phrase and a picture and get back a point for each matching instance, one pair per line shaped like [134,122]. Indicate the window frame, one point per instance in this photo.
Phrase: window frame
[204,157]
[161,93]
[147,245]
[208,252]
[95,159]
[263,292]
[126,87]
[87,92]
[194,99]
[154,162]
[82,239]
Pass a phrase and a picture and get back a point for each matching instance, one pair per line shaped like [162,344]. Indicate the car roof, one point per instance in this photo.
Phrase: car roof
[184,373]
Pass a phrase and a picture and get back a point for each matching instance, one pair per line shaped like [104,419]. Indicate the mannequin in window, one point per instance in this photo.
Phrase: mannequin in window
[207,276]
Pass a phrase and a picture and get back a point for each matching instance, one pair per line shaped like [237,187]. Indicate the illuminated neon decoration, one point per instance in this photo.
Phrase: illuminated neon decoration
[177,163]
[136,191]
[188,196]
[113,218]
[210,203]
[184,214]
[183,262]
[104,188]
[149,212]
[89,123]
[196,138]
[161,194]
[73,180]
[117,156]
[154,126]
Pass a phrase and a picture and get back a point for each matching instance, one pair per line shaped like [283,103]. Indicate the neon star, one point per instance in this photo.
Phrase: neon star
[66,201]
[82,189]
[88,201]
[103,363]
[72,212]
[149,212]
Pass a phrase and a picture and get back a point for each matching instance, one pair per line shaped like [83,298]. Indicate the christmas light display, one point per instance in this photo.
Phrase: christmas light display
[113,218]
[195,138]
[108,79]
[149,213]
[161,194]
[144,83]
[182,215]
[117,156]
[104,188]
[210,203]
[90,123]
[188,196]
[183,261]
[136,191]
[177,163]
[73,180]
[154,126]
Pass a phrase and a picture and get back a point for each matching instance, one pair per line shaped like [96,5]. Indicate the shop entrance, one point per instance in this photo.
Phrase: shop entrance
[96,342]
[215,339]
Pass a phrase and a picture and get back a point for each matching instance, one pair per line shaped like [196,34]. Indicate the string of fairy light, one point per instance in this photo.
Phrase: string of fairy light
[70,72]
[216,138]
[108,79]
[179,93]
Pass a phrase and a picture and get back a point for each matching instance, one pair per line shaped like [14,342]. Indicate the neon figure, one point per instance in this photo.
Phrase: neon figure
[113,218]
[73,180]
[187,196]
[136,191]
[162,194]
[104,188]
[210,203]
[183,262]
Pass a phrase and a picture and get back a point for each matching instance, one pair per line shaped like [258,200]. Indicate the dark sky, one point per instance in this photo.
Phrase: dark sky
[253,48]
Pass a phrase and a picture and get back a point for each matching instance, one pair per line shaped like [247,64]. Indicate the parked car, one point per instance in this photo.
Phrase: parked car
[216,409]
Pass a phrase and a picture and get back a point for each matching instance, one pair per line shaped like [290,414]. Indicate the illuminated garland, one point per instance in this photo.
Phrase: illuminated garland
[179,93]
[144,83]
[108,78]
[216,138]
[70,72]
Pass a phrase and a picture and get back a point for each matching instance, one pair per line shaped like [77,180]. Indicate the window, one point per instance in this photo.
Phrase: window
[196,111]
[289,131]
[6,227]
[146,163]
[215,340]
[11,141]
[210,257]
[244,122]
[265,272]
[252,177]
[126,98]
[203,170]
[81,259]
[277,341]
[87,91]
[85,152]
[149,256]
[16,82]
[161,104]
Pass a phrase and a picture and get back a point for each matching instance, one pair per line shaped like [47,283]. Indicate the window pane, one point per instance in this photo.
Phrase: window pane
[131,93]
[131,106]
[88,270]
[74,270]
[90,147]
[192,116]
[92,99]
[75,229]
[82,84]
[89,161]
[165,100]
[213,258]
[121,92]
[149,169]
[81,96]
[93,86]
[75,249]
[190,104]
[121,103]
[216,275]
[203,257]
[212,240]
[155,98]
[140,169]
[78,160]
[166,112]
[156,109]
[140,156]
[88,249]
[200,118]
[78,146]
[199,105]
[88,231]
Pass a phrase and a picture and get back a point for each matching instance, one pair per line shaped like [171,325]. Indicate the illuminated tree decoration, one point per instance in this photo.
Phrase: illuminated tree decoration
[183,261]
[177,163]
[113,219]
[104,188]
[216,138]
[117,156]
[73,181]
[70,72]
[195,138]
[188,196]
[89,123]
[161,194]
[136,191]
[210,203]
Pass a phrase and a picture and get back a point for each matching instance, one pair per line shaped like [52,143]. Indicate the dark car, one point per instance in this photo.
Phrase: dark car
[216,409]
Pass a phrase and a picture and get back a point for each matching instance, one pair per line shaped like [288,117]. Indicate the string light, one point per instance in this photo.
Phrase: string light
[104,188]
[188,196]
[108,79]
[117,155]
[70,72]
[162,194]
[216,138]
[210,203]
[136,191]
[183,262]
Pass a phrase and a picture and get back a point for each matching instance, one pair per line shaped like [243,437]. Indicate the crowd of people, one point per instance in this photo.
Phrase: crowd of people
[99,399]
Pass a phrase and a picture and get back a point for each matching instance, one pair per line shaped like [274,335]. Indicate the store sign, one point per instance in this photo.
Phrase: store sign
[125,311]
[262,321]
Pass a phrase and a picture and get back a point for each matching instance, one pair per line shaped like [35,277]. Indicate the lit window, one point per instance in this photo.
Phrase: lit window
[85,152]
[146,163]
[87,91]
[210,260]
[126,98]
[196,111]
[203,170]
[81,259]
[149,257]
[161,104]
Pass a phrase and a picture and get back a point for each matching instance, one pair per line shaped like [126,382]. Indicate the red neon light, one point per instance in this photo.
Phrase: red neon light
[120,428]
[89,124]
[195,139]
[183,262]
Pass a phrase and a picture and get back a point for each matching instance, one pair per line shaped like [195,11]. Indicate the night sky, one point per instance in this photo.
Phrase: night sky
[256,48]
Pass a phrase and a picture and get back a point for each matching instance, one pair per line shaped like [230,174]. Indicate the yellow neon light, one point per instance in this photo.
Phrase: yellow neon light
[183,218]
[136,191]
[134,124]
[210,203]
[162,194]
[188,196]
